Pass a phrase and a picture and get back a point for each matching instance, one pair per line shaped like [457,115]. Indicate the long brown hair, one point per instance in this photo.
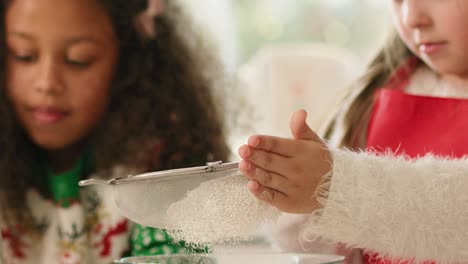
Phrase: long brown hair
[161,102]
[351,122]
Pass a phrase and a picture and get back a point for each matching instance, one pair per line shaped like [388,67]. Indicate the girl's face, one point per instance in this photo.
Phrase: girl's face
[60,65]
[436,31]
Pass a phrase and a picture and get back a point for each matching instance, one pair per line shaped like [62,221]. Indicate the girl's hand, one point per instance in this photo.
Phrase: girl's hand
[286,172]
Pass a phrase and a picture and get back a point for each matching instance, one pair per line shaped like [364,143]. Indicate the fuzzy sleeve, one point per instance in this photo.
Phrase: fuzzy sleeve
[399,207]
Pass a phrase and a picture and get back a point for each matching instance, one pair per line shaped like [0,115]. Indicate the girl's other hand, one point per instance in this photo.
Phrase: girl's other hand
[286,172]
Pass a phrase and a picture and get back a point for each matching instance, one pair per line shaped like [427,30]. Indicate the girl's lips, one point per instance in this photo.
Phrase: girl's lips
[431,47]
[48,115]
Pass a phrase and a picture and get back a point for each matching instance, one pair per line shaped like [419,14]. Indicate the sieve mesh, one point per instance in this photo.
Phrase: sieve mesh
[207,204]
[146,202]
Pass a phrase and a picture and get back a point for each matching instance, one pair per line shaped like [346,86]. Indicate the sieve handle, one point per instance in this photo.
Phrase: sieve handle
[219,165]
[208,168]
[93,182]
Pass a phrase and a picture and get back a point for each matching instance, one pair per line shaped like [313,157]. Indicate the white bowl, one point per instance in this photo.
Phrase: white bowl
[270,258]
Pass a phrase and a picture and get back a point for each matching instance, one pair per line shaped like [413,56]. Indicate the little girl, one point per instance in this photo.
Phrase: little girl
[402,195]
[96,88]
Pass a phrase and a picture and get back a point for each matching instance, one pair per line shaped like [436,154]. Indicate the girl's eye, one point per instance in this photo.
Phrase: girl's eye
[24,58]
[79,63]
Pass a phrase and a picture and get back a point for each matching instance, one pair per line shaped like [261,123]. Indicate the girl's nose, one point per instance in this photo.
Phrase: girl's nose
[48,80]
[415,14]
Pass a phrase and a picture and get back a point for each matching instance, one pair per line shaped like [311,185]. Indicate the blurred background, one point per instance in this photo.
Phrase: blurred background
[290,54]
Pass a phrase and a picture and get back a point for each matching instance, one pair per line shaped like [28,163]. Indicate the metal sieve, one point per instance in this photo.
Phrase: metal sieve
[145,198]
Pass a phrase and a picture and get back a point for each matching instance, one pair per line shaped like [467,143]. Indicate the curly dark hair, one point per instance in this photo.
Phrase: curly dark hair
[161,101]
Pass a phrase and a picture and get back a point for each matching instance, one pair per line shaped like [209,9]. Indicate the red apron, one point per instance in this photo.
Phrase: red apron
[416,125]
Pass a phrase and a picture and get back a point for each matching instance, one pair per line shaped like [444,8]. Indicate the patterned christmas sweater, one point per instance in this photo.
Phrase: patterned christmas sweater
[80,225]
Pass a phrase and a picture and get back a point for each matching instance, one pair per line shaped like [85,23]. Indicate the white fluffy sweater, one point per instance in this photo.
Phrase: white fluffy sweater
[407,208]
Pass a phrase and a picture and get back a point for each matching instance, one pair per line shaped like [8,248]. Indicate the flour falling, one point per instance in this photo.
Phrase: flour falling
[217,211]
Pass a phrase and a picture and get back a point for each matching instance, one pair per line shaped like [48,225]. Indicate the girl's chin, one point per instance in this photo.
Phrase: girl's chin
[447,69]
[51,143]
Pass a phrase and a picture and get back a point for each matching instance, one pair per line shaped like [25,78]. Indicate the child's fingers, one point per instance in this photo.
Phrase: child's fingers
[266,178]
[255,188]
[281,146]
[275,198]
[247,169]
[266,160]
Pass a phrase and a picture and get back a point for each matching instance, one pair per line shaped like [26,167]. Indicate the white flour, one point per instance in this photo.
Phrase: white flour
[217,211]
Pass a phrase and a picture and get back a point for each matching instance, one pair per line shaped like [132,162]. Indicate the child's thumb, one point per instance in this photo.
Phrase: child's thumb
[299,127]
